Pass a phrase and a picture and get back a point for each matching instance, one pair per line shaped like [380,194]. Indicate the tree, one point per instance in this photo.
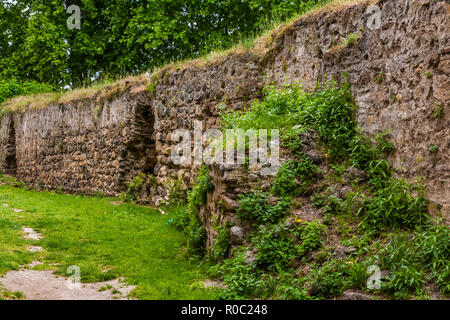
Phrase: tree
[120,37]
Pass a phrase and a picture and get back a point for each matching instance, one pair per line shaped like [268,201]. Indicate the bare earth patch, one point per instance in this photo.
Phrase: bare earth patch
[307,212]
[44,285]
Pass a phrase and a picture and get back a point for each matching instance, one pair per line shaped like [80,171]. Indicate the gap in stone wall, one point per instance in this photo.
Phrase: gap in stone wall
[10,150]
[139,154]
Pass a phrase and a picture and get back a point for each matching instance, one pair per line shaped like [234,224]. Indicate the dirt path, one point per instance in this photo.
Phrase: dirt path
[45,285]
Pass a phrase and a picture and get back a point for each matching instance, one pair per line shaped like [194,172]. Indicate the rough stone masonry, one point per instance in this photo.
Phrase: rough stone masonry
[399,76]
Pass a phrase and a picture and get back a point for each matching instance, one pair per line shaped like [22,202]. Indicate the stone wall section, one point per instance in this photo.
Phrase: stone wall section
[182,98]
[72,147]
[399,76]
[8,146]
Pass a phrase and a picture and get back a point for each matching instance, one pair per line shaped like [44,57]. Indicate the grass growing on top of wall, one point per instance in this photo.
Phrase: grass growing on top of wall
[106,241]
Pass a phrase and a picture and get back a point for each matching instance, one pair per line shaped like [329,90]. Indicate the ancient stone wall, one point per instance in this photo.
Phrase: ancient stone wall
[87,147]
[73,146]
[399,76]
[182,98]
[8,146]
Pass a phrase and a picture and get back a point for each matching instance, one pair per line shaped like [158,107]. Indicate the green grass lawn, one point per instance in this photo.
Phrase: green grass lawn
[106,241]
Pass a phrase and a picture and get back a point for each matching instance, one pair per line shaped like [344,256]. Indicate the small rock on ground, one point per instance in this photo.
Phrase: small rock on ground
[212,283]
[352,295]
[30,234]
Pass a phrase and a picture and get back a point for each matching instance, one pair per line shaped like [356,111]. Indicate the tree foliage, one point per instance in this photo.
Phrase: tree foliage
[120,37]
